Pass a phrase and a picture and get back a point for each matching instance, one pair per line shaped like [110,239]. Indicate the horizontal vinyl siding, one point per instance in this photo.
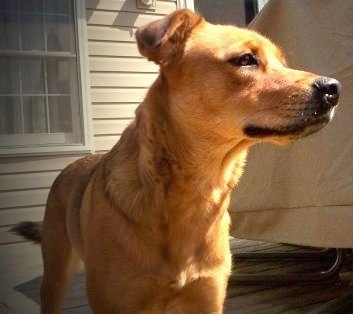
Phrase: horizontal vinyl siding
[111,126]
[103,143]
[162,7]
[21,198]
[24,181]
[24,186]
[113,49]
[107,34]
[130,65]
[34,164]
[119,75]
[113,111]
[109,95]
[118,19]
[114,79]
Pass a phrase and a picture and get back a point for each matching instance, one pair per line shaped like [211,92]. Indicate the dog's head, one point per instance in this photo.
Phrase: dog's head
[233,82]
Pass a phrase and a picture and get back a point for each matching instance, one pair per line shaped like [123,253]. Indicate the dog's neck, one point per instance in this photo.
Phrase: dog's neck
[196,158]
[184,184]
[170,160]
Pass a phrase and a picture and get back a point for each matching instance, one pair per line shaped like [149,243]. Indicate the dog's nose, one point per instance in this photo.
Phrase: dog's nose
[328,90]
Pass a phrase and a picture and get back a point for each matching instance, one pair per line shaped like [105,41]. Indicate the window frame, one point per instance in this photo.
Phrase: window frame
[186,4]
[84,101]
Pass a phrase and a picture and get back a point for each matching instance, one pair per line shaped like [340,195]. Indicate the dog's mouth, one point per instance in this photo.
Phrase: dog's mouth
[300,128]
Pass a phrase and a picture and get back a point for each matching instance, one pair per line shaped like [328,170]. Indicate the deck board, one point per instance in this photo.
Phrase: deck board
[21,271]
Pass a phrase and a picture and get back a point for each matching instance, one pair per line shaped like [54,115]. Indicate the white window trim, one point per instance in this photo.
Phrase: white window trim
[261,4]
[186,4]
[85,102]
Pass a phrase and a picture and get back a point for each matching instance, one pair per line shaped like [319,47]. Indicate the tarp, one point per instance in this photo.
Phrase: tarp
[303,193]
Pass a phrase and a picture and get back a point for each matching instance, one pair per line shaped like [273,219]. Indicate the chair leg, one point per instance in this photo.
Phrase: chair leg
[266,256]
[323,275]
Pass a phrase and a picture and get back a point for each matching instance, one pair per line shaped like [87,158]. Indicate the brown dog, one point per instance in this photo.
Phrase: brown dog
[149,218]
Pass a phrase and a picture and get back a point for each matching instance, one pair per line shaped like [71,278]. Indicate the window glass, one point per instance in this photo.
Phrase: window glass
[56,7]
[10,115]
[58,76]
[58,32]
[9,31]
[32,31]
[8,5]
[32,73]
[39,78]
[35,6]
[35,115]
[60,114]
[9,76]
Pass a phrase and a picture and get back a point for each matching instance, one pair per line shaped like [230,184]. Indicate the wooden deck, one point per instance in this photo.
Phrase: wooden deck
[21,269]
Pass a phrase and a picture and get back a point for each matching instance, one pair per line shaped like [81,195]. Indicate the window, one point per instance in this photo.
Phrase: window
[40,95]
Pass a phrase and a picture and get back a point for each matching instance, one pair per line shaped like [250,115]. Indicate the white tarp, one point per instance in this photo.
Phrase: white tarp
[303,193]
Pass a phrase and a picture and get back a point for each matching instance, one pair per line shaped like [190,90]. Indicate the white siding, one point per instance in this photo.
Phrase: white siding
[113,79]
[24,187]
[119,78]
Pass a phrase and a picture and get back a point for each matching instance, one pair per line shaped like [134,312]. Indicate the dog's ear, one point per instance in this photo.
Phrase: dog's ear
[161,41]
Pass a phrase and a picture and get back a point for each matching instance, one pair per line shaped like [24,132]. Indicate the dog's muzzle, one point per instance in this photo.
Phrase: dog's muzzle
[319,111]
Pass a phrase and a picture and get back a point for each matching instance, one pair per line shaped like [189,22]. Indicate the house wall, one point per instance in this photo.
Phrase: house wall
[119,78]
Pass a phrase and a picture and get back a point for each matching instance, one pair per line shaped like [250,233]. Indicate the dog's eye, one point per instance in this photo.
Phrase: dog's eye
[244,60]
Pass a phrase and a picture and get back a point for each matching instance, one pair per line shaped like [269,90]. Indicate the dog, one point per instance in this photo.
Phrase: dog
[149,218]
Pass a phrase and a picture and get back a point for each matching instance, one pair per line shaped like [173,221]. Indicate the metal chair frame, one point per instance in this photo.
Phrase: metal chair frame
[329,274]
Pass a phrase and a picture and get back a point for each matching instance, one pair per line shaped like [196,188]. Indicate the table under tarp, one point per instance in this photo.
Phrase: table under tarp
[303,193]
